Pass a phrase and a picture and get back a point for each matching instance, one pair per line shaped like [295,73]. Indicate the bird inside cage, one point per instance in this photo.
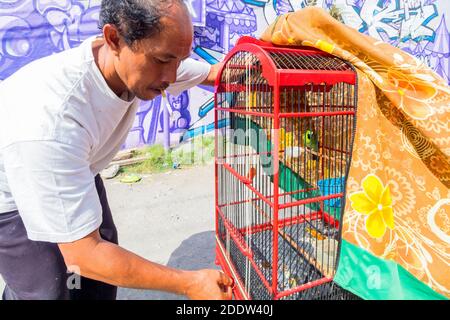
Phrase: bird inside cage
[276,226]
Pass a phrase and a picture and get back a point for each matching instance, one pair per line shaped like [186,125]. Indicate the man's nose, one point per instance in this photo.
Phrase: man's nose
[170,73]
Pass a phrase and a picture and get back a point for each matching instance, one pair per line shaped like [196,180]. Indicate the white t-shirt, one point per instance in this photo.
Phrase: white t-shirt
[60,125]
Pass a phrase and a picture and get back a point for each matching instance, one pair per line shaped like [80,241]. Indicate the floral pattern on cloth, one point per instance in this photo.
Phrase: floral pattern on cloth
[375,202]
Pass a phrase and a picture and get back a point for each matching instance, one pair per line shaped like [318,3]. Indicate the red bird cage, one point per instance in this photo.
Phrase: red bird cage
[285,121]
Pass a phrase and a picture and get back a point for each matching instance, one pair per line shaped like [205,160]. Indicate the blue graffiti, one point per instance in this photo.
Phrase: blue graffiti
[397,21]
[192,133]
[256,3]
[206,108]
[201,52]
[31,30]
[180,115]
[226,20]
[153,107]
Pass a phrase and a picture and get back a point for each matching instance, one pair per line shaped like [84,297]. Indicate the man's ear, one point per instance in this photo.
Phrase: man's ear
[112,38]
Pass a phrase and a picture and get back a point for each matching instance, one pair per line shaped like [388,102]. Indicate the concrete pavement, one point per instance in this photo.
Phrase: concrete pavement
[167,218]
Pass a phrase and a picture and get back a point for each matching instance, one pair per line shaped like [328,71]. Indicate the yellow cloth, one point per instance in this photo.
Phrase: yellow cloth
[398,199]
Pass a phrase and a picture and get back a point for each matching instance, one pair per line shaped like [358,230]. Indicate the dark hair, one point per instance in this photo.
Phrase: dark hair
[135,19]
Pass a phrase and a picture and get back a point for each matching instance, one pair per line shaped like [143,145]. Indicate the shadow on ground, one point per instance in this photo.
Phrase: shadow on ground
[196,252]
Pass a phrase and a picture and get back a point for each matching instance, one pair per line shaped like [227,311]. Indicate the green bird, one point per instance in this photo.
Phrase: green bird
[310,140]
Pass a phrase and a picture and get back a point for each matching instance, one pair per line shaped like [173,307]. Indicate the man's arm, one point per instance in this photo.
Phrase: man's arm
[55,193]
[210,80]
[104,261]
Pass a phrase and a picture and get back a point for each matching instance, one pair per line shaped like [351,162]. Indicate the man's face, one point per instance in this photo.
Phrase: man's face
[150,65]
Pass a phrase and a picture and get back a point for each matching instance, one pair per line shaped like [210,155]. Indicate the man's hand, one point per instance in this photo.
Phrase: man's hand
[100,260]
[209,285]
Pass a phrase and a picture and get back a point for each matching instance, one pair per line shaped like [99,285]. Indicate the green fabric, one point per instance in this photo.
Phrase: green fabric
[334,212]
[373,278]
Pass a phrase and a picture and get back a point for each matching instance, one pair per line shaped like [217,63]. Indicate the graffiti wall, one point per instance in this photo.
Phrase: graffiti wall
[30,29]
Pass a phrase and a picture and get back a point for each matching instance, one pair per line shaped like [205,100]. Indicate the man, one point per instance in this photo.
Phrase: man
[62,119]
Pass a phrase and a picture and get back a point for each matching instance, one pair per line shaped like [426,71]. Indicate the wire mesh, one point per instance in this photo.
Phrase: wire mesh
[308,61]
[296,260]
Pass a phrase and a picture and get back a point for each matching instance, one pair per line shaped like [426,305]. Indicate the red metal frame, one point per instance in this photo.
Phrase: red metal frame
[285,77]
[277,78]
[229,268]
